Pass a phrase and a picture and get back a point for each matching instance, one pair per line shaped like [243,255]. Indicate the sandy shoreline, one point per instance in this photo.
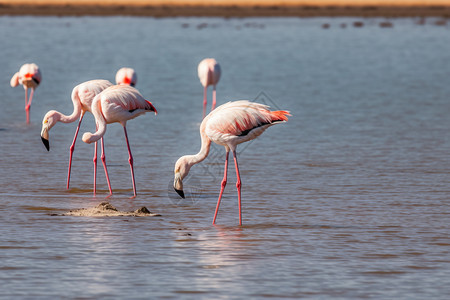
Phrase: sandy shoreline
[105,209]
[230,8]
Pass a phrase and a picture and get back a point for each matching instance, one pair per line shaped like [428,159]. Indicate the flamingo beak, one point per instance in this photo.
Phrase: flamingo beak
[178,185]
[44,137]
[180,192]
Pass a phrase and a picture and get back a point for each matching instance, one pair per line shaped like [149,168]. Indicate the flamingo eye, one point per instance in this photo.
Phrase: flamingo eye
[46,121]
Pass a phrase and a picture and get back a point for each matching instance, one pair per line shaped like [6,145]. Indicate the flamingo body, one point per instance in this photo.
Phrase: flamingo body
[209,74]
[82,96]
[29,76]
[228,125]
[118,103]
[126,76]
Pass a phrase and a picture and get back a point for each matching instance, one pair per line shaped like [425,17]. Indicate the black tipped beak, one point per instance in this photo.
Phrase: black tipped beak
[180,192]
[46,143]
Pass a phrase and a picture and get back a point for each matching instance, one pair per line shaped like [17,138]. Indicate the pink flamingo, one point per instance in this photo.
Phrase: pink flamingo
[209,74]
[126,76]
[118,103]
[228,125]
[30,77]
[82,96]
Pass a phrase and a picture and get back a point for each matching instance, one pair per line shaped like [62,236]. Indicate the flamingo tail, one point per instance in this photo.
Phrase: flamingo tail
[280,115]
[150,107]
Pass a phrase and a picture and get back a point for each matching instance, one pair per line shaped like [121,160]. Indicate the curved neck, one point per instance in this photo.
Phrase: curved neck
[202,154]
[99,120]
[204,150]
[75,114]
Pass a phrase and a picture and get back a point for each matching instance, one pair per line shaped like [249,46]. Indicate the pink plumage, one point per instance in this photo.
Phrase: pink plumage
[209,74]
[82,97]
[29,76]
[126,76]
[237,119]
[118,103]
[228,125]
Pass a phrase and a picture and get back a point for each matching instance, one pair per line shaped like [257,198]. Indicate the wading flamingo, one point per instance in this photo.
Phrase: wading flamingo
[30,77]
[209,74]
[126,76]
[82,96]
[118,103]
[228,125]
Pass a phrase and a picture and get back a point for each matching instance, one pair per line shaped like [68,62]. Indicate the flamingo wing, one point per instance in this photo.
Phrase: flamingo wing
[241,121]
[203,70]
[208,72]
[123,103]
[215,74]
[86,91]
[15,80]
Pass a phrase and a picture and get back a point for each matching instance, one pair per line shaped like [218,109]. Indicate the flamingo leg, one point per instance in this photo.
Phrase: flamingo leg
[95,168]
[130,160]
[222,186]
[204,101]
[72,148]
[31,98]
[238,186]
[27,108]
[28,105]
[214,99]
[103,157]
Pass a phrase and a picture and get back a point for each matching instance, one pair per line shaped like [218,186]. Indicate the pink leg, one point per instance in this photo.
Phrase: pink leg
[31,98]
[204,102]
[103,157]
[130,160]
[238,186]
[214,99]
[72,148]
[28,105]
[95,168]
[223,184]
[27,108]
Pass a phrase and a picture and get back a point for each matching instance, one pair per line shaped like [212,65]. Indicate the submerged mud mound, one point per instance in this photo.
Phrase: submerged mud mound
[106,209]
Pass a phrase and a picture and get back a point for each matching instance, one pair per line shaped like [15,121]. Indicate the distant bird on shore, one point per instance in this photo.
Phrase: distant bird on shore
[126,76]
[228,125]
[209,74]
[118,103]
[30,77]
[82,96]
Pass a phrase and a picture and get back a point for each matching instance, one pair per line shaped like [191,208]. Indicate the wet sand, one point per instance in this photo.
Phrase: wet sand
[105,209]
[230,8]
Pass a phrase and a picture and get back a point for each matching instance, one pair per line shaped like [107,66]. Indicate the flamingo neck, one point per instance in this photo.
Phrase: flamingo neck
[99,120]
[60,117]
[76,111]
[204,150]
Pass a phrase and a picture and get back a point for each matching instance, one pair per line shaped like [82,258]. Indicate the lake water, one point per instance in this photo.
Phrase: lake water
[349,199]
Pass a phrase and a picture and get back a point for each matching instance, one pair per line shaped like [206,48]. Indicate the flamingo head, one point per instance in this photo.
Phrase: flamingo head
[48,122]
[182,167]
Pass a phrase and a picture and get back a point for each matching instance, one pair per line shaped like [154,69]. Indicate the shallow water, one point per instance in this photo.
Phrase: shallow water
[349,199]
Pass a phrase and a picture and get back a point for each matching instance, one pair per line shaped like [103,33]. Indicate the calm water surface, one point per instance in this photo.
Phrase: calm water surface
[349,199]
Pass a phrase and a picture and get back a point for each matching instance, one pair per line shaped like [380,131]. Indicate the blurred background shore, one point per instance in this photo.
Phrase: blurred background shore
[229,8]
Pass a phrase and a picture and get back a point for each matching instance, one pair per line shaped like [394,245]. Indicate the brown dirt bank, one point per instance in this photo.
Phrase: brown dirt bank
[42,8]
[105,209]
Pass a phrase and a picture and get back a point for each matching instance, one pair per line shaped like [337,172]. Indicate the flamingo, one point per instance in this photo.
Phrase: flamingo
[30,77]
[209,74]
[228,125]
[126,76]
[118,103]
[82,96]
